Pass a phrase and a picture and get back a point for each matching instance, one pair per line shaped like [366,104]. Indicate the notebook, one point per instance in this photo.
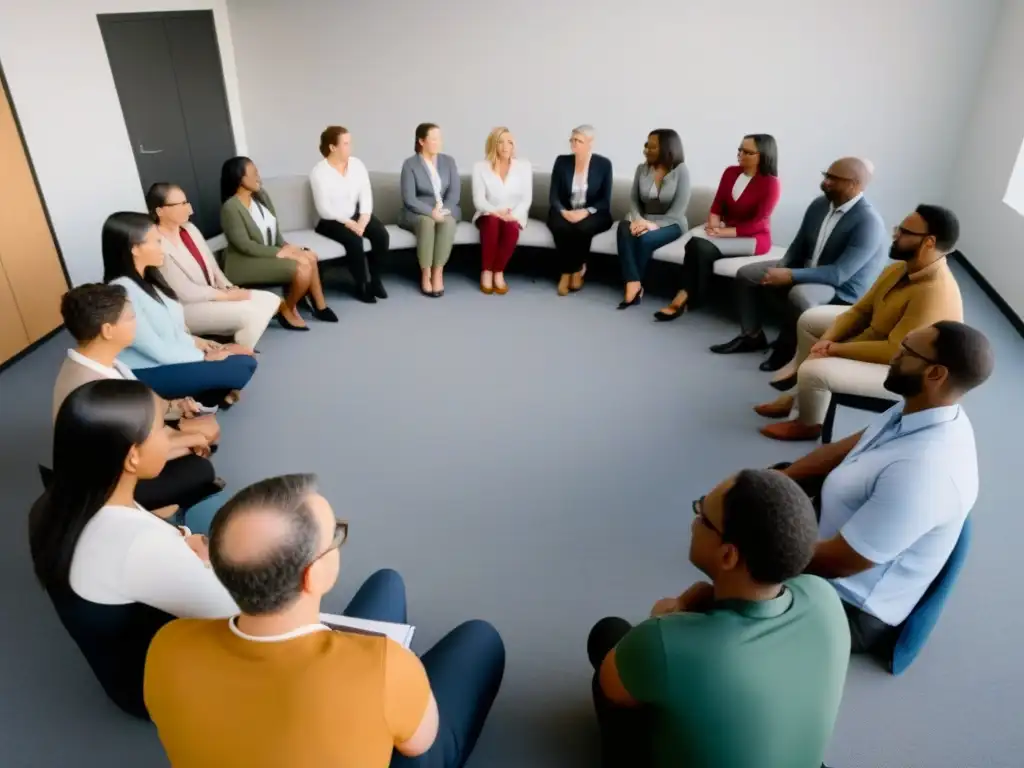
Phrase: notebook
[400,633]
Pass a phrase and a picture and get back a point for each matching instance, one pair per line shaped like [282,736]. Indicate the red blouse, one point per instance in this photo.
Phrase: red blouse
[751,213]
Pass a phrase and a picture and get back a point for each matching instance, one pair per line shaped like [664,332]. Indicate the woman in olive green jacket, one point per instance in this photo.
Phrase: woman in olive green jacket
[256,252]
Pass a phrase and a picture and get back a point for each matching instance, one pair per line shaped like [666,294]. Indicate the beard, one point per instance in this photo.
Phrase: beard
[904,384]
[898,254]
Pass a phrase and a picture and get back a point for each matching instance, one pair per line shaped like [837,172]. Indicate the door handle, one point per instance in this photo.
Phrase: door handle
[144,151]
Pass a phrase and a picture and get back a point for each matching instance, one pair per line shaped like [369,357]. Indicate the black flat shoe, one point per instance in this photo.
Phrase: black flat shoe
[742,343]
[636,300]
[377,287]
[777,359]
[283,322]
[365,294]
[666,317]
[437,294]
[784,385]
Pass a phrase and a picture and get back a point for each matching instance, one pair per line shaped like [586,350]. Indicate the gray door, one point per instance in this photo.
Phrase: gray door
[169,81]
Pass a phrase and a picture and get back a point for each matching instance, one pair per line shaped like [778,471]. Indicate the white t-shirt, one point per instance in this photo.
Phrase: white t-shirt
[128,555]
[337,196]
[265,221]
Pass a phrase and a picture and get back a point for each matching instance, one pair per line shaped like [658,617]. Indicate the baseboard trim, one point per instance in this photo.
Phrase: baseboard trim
[30,348]
[991,292]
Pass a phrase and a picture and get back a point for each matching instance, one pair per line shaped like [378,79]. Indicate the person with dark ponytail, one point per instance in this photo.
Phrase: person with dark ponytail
[164,354]
[115,572]
[257,253]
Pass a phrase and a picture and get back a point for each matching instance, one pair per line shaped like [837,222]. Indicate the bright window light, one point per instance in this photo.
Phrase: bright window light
[1014,196]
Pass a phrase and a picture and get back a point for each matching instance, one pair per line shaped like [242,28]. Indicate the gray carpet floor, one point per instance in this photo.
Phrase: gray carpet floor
[530,460]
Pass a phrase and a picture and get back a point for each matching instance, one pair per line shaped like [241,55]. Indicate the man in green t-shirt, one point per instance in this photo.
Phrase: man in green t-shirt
[745,672]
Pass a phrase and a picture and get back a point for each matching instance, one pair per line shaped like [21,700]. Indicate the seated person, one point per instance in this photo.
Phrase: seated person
[745,671]
[344,201]
[257,253]
[312,696]
[837,252]
[502,195]
[739,223]
[102,321]
[657,209]
[835,352]
[164,354]
[114,572]
[894,496]
[431,190]
[210,302]
[580,206]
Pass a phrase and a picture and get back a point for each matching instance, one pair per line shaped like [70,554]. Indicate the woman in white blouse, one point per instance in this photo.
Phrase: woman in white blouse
[502,195]
[344,202]
[212,305]
[115,572]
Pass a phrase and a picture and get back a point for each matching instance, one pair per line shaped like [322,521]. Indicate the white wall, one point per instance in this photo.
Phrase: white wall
[887,79]
[992,233]
[60,81]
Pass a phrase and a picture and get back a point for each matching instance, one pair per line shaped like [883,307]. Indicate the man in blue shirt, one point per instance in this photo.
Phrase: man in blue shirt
[895,496]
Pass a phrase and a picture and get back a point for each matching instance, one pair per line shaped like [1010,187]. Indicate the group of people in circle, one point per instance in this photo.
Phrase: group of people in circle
[205,617]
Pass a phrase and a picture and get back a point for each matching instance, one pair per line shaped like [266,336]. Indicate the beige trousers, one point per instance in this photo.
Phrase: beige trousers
[817,379]
[245,320]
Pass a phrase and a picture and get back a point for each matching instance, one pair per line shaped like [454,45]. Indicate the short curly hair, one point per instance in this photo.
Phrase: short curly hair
[274,581]
[771,521]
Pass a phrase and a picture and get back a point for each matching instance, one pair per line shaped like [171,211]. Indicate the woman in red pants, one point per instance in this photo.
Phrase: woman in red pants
[502,194]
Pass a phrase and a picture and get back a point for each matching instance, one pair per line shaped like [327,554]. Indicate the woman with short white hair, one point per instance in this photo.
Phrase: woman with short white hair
[581,200]
[502,194]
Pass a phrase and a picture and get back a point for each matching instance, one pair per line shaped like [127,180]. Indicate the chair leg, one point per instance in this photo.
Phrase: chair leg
[829,424]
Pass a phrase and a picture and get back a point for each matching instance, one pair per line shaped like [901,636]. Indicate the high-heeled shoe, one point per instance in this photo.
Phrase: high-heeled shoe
[284,323]
[634,302]
[664,317]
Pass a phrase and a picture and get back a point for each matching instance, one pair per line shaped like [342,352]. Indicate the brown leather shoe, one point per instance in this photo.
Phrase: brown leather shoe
[792,431]
[563,286]
[778,408]
[576,284]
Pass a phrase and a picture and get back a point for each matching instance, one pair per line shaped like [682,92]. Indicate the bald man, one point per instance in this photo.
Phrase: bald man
[275,686]
[836,255]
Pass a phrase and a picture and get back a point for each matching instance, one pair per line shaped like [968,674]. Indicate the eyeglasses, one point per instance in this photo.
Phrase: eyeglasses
[899,231]
[698,510]
[834,178]
[172,205]
[339,538]
[918,355]
[747,152]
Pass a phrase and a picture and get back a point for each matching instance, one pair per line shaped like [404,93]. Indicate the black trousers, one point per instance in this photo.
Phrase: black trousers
[185,481]
[699,260]
[869,634]
[626,732]
[572,241]
[364,266]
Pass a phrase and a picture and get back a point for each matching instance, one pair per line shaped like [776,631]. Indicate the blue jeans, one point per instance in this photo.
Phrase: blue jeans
[208,381]
[635,252]
[465,670]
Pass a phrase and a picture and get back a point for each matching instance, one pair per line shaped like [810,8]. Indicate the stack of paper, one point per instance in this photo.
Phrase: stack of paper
[400,633]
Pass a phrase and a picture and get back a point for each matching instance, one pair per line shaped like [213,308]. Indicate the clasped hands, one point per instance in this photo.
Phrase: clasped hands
[214,351]
[575,216]
[638,227]
[234,293]
[358,226]
[777,276]
[697,599]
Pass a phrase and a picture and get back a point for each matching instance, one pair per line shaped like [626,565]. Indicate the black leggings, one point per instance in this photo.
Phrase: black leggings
[364,266]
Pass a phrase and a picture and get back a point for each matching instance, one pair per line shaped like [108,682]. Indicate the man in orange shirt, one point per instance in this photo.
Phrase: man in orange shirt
[275,687]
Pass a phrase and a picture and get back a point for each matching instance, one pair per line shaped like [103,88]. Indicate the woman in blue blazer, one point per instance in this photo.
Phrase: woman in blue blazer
[165,355]
[581,201]
[430,206]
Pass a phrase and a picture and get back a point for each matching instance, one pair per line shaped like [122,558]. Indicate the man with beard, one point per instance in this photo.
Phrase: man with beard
[896,495]
[836,254]
[849,353]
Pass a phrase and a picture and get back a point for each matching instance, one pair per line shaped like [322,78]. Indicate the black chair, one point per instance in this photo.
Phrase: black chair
[858,402]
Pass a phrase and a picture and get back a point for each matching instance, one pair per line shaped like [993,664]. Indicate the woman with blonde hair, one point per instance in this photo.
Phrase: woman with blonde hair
[502,195]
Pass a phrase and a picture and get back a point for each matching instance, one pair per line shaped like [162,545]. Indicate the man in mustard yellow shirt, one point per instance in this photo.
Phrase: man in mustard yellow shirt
[850,352]
[275,687]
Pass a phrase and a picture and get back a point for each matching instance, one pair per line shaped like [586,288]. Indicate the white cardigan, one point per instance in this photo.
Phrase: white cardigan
[491,194]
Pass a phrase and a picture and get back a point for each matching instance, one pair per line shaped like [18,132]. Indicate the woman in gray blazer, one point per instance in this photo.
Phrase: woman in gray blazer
[430,206]
[657,209]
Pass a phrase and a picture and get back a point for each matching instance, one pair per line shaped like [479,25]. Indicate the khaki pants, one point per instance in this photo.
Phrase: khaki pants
[817,379]
[245,320]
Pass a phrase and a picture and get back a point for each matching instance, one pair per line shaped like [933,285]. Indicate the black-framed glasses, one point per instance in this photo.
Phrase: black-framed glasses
[339,538]
[829,176]
[900,231]
[906,349]
[172,205]
[698,510]
[747,152]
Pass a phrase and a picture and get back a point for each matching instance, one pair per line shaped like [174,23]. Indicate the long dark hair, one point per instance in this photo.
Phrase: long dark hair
[231,174]
[96,426]
[122,231]
[421,134]
[670,148]
[768,163]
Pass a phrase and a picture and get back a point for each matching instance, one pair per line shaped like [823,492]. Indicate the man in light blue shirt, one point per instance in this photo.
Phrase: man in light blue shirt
[895,496]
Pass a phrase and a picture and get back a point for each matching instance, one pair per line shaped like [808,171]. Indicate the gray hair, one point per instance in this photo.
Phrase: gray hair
[584,130]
